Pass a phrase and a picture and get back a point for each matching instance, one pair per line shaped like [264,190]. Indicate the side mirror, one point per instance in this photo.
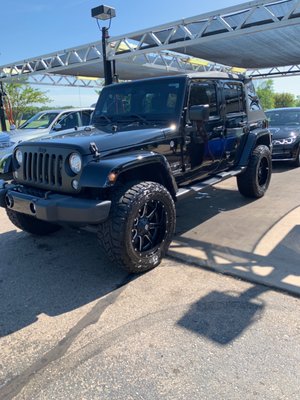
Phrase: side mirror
[57,127]
[199,113]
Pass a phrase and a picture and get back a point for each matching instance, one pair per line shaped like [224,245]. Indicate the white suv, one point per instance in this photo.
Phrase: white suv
[43,123]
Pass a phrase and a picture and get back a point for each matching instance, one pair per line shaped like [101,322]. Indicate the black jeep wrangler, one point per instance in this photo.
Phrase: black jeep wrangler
[153,141]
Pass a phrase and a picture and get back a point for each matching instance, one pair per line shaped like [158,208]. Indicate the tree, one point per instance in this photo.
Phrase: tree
[23,98]
[284,100]
[297,101]
[265,92]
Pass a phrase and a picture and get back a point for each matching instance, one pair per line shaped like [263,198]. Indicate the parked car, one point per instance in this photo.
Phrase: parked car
[43,123]
[284,124]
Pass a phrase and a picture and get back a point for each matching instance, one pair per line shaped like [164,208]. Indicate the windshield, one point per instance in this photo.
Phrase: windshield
[144,101]
[40,120]
[283,117]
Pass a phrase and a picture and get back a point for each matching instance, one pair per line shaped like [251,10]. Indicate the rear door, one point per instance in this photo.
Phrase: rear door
[236,121]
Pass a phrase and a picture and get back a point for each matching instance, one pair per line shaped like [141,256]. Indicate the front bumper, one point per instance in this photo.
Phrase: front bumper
[284,152]
[55,208]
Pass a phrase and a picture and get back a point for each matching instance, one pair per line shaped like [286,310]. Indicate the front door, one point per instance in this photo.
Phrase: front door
[204,142]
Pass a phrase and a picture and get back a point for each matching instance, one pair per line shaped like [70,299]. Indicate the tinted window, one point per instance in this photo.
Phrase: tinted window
[69,121]
[252,99]
[86,117]
[204,93]
[234,98]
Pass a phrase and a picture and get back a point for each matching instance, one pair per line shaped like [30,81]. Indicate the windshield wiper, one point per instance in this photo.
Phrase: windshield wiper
[101,117]
[136,116]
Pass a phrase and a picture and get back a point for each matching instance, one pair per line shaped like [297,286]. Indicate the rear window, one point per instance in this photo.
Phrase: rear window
[234,98]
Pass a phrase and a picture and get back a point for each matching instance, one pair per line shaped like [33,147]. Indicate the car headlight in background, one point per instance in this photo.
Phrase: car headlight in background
[288,140]
[75,163]
[19,156]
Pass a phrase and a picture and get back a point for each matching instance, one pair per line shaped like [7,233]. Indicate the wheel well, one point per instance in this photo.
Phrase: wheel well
[264,139]
[152,173]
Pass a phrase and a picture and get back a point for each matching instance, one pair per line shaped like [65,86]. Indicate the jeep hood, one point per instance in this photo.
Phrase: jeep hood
[105,141]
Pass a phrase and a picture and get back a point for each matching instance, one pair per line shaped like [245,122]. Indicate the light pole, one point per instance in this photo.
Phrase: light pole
[104,13]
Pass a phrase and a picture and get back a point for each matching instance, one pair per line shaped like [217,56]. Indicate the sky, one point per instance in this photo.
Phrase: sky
[35,27]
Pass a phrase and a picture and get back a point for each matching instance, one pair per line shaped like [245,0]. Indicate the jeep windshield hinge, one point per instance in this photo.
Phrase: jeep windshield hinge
[94,150]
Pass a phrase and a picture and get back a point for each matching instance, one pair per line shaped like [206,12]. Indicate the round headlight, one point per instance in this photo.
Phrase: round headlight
[19,156]
[75,163]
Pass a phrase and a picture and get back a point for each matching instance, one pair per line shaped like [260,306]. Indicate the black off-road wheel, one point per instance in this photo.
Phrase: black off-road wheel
[140,228]
[31,224]
[255,180]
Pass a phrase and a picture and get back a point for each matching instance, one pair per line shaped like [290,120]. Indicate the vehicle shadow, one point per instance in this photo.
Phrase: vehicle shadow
[223,316]
[265,253]
[51,275]
[279,167]
[202,206]
[60,272]
[268,253]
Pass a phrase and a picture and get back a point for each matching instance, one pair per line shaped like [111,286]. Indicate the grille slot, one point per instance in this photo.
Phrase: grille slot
[43,168]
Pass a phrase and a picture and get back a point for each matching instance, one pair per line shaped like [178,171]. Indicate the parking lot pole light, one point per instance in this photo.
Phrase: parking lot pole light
[104,13]
[2,113]
[106,64]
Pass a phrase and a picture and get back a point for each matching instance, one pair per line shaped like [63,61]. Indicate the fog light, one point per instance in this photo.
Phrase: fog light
[75,184]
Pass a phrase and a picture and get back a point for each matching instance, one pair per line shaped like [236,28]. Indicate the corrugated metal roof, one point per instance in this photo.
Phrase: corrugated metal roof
[257,34]
[253,35]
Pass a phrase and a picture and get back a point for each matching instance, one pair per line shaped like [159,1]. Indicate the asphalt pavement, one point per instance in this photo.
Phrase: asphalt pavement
[72,326]
[256,240]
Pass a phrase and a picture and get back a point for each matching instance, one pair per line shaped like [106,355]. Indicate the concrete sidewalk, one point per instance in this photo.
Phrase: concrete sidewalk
[256,240]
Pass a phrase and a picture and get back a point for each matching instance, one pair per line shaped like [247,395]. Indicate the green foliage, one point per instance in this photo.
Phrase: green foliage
[284,100]
[269,99]
[265,92]
[24,99]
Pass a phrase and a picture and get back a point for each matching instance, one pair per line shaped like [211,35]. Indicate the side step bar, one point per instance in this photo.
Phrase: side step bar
[197,187]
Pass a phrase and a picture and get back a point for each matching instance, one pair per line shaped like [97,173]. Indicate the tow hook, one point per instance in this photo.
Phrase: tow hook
[9,201]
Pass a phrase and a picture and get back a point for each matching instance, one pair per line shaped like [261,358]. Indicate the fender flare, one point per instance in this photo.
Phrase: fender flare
[255,136]
[95,174]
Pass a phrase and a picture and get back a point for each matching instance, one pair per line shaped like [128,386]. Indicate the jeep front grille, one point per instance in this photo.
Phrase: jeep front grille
[42,168]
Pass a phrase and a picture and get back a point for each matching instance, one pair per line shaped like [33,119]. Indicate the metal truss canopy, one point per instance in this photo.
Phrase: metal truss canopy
[260,36]
[86,61]
[275,72]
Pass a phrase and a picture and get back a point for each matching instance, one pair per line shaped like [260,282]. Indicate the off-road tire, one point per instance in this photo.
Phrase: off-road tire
[140,227]
[31,224]
[255,180]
